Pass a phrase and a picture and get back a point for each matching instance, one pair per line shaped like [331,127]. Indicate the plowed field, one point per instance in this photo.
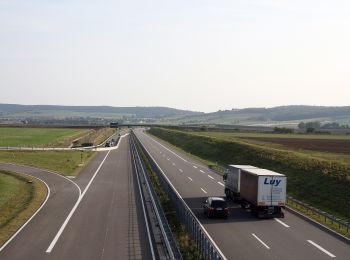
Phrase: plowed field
[322,145]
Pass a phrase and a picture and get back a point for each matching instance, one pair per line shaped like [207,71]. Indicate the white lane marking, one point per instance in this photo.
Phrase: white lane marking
[221,184]
[321,248]
[204,190]
[166,148]
[262,242]
[181,170]
[195,167]
[190,178]
[281,222]
[174,164]
[60,231]
[210,177]
[36,212]
[182,200]
[202,171]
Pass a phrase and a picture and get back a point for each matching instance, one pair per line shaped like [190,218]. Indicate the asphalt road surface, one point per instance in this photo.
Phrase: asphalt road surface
[94,216]
[242,236]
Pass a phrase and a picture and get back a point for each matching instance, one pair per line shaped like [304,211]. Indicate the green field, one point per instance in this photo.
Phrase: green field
[64,162]
[323,183]
[38,137]
[19,199]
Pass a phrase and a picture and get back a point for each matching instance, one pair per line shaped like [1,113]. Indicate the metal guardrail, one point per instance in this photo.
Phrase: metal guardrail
[169,241]
[328,218]
[205,244]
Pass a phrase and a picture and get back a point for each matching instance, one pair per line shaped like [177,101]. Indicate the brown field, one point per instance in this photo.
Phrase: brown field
[321,145]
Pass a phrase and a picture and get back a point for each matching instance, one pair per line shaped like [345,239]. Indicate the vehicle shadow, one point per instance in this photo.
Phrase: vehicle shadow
[237,214]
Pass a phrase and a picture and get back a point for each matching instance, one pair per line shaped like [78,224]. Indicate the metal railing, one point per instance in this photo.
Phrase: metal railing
[167,236]
[326,217]
[206,245]
[299,205]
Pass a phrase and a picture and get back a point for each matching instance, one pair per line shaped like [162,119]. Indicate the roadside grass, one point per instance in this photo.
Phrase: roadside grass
[319,218]
[37,137]
[20,197]
[183,239]
[321,183]
[67,163]
[95,137]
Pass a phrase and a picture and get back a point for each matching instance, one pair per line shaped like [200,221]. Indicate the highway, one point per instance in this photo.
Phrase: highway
[97,215]
[242,236]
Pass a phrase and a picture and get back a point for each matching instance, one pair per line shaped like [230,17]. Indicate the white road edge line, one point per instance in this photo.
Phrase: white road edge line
[281,222]
[60,231]
[321,248]
[178,194]
[211,177]
[190,178]
[35,213]
[204,190]
[221,184]
[166,148]
[262,242]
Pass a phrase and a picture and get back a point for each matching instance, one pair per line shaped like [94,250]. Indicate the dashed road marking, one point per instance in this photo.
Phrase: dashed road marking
[202,171]
[204,190]
[195,167]
[211,177]
[180,170]
[221,184]
[321,248]
[190,178]
[282,223]
[262,242]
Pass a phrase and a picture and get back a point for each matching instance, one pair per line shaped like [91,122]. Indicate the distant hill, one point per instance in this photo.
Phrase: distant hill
[288,116]
[14,110]
[282,115]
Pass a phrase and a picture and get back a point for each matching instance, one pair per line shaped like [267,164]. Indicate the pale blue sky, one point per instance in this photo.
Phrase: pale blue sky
[200,55]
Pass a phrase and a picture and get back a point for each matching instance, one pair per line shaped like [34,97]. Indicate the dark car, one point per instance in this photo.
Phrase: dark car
[108,144]
[215,207]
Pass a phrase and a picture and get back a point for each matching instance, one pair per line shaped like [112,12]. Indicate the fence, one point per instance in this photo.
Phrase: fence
[205,244]
[167,236]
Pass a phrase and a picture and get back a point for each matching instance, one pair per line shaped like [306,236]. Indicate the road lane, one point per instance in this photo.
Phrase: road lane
[234,235]
[34,238]
[109,223]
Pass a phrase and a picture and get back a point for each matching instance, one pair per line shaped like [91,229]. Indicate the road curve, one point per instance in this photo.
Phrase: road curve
[35,236]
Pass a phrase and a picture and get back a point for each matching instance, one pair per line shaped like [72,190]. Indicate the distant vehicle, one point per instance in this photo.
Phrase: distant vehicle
[215,207]
[260,190]
[108,144]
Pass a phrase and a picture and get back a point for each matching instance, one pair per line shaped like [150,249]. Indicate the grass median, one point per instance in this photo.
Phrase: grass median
[20,197]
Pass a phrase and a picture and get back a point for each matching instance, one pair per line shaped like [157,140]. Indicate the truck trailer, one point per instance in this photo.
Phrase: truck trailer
[233,181]
[260,190]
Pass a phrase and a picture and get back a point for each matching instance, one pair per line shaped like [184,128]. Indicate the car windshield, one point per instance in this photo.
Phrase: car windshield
[219,204]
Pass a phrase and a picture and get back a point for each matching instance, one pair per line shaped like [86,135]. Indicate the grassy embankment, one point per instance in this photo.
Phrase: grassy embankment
[325,184]
[20,197]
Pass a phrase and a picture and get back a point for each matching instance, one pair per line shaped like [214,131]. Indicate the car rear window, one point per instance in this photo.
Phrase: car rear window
[218,204]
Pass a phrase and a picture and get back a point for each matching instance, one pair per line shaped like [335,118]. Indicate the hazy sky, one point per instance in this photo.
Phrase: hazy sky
[200,55]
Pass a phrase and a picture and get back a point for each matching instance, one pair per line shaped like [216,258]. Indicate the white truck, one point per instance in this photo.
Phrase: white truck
[262,191]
